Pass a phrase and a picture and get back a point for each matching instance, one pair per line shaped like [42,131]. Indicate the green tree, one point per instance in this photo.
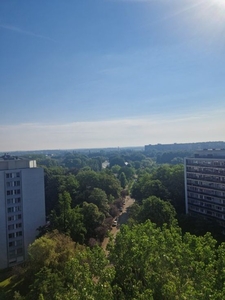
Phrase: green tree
[93,218]
[67,220]
[77,230]
[133,212]
[160,264]
[60,218]
[154,188]
[58,181]
[51,251]
[116,160]
[99,198]
[147,163]
[68,272]
[87,180]
[47,285]
[89,276]
[115,169]
[157,210]
[123,180]
[128,171]
[147,186]
[172,178]
[109,184]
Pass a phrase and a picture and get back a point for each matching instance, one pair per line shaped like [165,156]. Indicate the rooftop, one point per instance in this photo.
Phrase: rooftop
[7,156]
[210,153]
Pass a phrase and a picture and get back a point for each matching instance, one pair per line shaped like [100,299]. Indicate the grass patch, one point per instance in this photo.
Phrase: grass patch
[5,276]
[5,284]
[8,284]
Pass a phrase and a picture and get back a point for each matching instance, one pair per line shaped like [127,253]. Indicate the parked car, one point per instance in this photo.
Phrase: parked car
[114,223]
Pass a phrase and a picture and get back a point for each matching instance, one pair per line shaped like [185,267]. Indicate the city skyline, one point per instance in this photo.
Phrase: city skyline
[109,73]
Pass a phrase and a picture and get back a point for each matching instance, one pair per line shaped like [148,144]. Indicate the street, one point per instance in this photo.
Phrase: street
[122,219]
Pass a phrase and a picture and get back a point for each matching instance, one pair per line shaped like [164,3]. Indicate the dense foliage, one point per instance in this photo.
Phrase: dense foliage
[150,258]
[145,262]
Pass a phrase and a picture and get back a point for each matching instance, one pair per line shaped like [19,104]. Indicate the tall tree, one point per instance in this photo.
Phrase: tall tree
[157,210]
[99,198]
[68,220]
[123,180]
[93,218]
[158,263]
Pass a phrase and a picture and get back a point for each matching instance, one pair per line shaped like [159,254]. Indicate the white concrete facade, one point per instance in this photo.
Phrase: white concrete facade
[205,185]
[22,208]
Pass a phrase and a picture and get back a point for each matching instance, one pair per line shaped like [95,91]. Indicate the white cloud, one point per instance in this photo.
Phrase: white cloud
[126,132]
[24,32]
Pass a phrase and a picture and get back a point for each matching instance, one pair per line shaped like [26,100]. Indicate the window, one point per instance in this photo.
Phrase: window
[11,244]
[10,201]
[11,218]
[13,175]
[16,192]
[17,208]
[18,233]
[15,243]
[19,250]
[10,209]
[219,215]
[17,200]
[15,217]
[18,243]
[14,209]
[11,227]
[11,235]
[12,253]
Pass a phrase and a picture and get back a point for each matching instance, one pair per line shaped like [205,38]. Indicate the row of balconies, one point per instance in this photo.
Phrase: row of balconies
[14,226]
[11,192]
[15,234]
[207,184]
[207,212]
[12,175]
[14,217]
[206,198]
[205,191]
[206,205]
[14,253]
[206,177]
[12,183]
[15,200]
[206,170]
[13,209]
[206,163]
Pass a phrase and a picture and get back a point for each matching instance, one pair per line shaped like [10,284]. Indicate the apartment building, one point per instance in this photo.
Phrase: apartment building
[22,207]
[205,184]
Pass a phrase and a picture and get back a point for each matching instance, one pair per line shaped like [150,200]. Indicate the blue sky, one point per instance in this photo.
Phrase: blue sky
[108,73]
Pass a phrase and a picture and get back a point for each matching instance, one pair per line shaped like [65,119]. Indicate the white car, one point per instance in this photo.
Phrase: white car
[114,223]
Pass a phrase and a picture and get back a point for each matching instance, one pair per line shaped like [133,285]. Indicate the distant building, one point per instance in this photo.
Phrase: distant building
[22,207]
[205,184]
[184,146]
